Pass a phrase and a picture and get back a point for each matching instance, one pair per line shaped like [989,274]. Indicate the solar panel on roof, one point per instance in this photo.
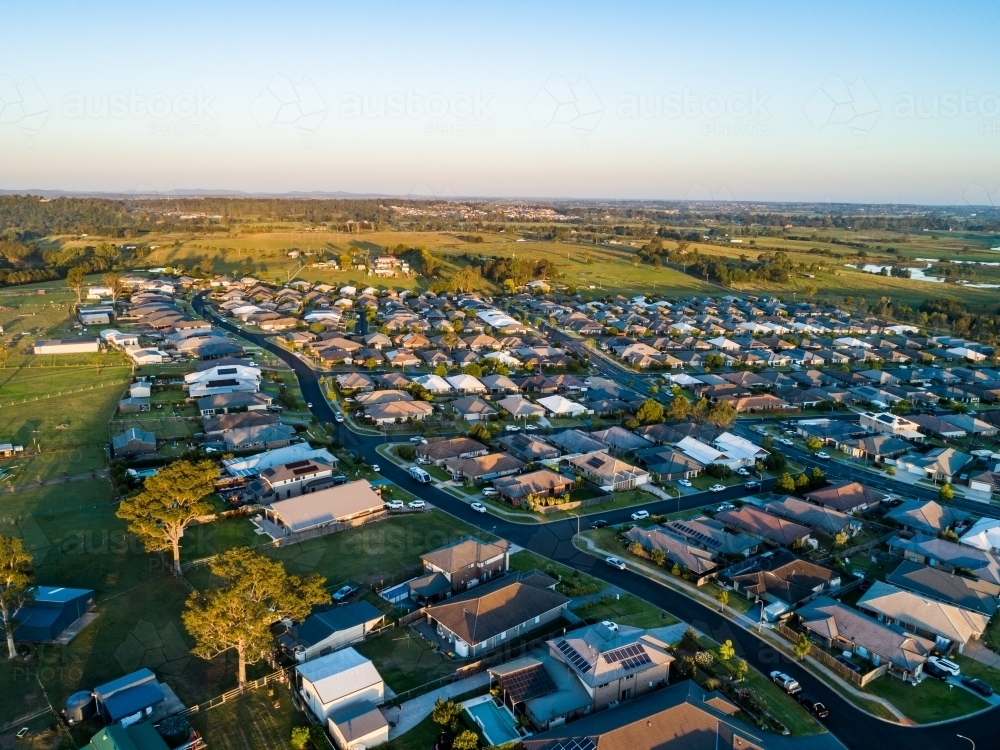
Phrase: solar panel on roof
[296,464]
[595,462]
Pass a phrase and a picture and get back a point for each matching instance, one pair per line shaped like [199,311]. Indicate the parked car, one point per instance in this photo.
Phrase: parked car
[753,484]
[933,670]
[478,507]
[822,456]
[787,684]
[490,492]
[684,482]
[339,417]
[717,488]
[946,664]
[812,705]
[394,505]
[598,524]
[848,663]
[531,428]
[345,592]
[614,562]
[416,504]
[981,687]
[424,461]
[726,506]
[309,405]
[376,467]
[512,428]
[417,439]
[640,515]
[743,472]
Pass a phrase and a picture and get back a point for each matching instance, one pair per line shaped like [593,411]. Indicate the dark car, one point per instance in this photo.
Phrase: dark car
[345,592]
[933,670]
[848,663]
[983,688]
[600,524]
[752,484]
[813,706]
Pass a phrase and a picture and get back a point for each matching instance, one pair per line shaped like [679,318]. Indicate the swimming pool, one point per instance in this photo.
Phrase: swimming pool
[496,724]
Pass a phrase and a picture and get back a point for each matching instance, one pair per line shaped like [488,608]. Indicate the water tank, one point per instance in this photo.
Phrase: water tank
[80,707]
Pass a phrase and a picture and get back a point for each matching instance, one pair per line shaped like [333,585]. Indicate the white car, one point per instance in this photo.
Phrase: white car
[531,428]
[726,506]
[478,507]
[424,461]
[490,492]
[309,405]
[948,666]
[717,488]
[684,482]
[743,472]
[823,456]
[640,515]
[790,685]
[376,467]
[339,417]
[394,505]
[416,504]
[614,562]
[786,441]
[417,439]
[512,428]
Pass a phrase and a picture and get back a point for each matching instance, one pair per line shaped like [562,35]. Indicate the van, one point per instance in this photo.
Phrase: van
[420,475]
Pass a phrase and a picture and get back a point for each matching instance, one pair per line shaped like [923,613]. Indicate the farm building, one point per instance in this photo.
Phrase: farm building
[51,612]
[67,346]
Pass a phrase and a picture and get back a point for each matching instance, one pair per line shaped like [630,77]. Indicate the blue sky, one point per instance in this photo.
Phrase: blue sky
[741,100]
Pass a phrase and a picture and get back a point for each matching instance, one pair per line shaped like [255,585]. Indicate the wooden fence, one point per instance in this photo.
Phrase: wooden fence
[282,675]
[831,663]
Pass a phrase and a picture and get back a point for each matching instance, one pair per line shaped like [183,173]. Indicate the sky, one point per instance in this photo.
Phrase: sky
[885,102]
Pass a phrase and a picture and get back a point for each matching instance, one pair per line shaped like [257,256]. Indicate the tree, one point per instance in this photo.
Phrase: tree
[658,556]
[467,740]
[722,414]
[814,444]
[113,282]
[473,369]
[169,502]
[802,647]
[714,361]
[723,599]
[480,432]
[946,493]
[446,713]
[785,483]
[817,478]
[840,539]
[700,409]
[74,280]
[680,408]
[775,461]
[441,370]
[300,738]
[801,483]
[256,592]
[16,580]
[649,412]
[676,570]
[726,651]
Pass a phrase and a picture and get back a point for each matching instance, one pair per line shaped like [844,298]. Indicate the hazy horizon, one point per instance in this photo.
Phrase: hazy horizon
[892,104]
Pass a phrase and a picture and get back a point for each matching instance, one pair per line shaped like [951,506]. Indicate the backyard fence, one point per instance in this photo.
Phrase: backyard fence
[831,663]
[282,675]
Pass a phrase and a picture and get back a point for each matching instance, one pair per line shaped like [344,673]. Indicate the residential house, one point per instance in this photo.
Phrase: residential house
[608,473]
[398,411]
[292,479]
[323,508]
[927,517]
[337,681]
[668,464]
[700,563]
[620,440]
[846,497]
[558,406]
[133,443]
[480,620]
[937,465]
[824,520]
[892,424]
[948,556]
[575,442]
[709,534]
[761,525]
[984,535]
[782,580]
[542,483]
[439,450]
[360,726]
[520,408]
[972,594]
[328,629]
[528,447]
[468,563]
[948,625]
[473,409]
[483,468]
[836,625]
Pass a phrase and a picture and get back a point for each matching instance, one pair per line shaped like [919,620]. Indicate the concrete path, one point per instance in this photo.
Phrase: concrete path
[412,712]
[978,651]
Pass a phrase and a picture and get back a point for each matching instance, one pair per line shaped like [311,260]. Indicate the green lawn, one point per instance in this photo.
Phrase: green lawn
[627,610]
[571,582]
[973,668]
[930,701]
[262,718]
[783,707]
[421,737]
[404,659]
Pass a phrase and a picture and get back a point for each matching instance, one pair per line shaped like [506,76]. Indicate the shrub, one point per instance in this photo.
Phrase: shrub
[719,471]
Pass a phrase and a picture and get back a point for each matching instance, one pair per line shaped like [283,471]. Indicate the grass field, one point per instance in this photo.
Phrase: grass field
[263,718]
[627,610]
[930,701]
[571,582]
[404,659]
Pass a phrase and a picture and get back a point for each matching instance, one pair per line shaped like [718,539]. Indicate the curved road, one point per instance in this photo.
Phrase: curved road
[856,729]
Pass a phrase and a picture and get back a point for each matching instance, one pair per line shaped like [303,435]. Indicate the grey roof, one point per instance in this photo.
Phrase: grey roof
[814,516]
[321,625]
[982,564]
[928,516]
[575,441]
[975,595]
[358,721]
[922,613]
[698,560]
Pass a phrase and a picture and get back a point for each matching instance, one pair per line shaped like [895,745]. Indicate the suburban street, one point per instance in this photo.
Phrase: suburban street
[554,540]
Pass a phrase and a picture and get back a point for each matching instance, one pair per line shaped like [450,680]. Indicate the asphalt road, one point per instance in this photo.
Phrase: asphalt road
[856,729]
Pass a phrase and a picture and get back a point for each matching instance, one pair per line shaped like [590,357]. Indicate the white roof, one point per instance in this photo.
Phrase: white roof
[984,535]
[560,405]
[682,378]
[504,357]
[699,451]
[251,465]
[495,318]
[433,383]
[737,447]
[339,674]
[464,382]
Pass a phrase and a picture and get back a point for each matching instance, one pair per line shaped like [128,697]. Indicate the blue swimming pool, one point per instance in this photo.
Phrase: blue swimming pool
[496,724]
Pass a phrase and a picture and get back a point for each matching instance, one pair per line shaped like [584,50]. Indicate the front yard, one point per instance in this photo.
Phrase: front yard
[626,610]
[571,582]
[930,701]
